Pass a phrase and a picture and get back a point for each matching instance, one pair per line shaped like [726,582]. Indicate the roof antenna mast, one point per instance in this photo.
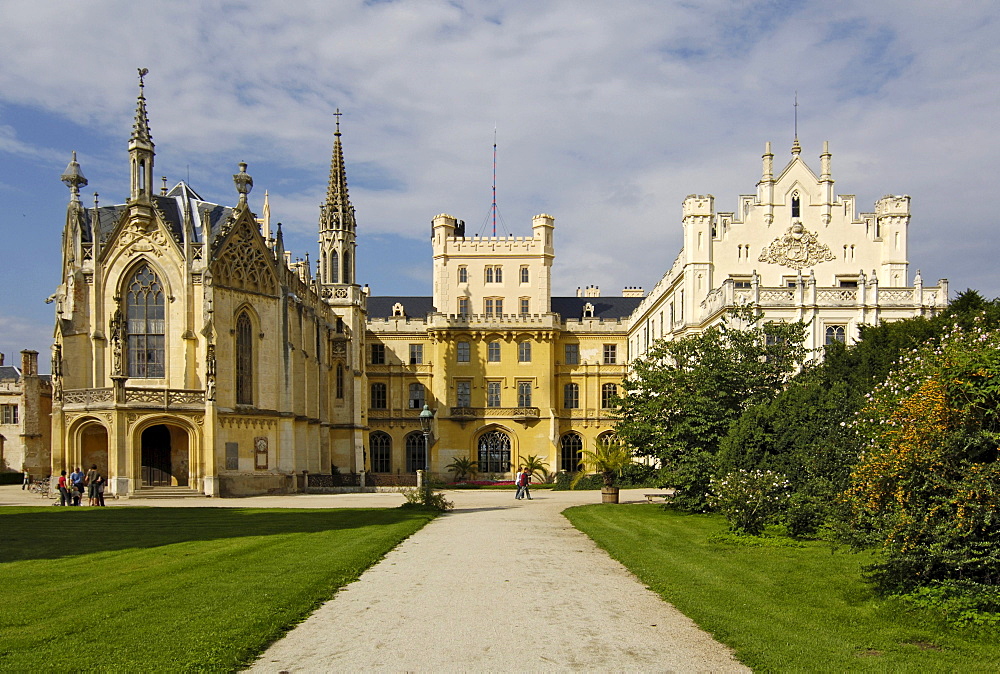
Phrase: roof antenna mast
[493,208]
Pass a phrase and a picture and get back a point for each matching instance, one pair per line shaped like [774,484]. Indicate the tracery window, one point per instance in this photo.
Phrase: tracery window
[416,452]
[571,446]
[571,396]
[380,445]
[244,360]
[608,394]
[494,452]
[146,327]
[836,333]
[378,401]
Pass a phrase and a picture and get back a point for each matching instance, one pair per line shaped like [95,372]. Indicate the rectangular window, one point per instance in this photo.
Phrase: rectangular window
[340,381]
[609,392]
[524,352]
[8,414]
[498,274]
[610,354]
[493,394]
[488,306]
[378,401]
[571,396]
[489,274]
[416,354]
[572,354]
[463,306]
[462,352]
[524,274]
[524,394]
[525,305]
[378,354]
[463,393]
[232,456]
[463,274]
[418,396]
[493,352]
[499,305]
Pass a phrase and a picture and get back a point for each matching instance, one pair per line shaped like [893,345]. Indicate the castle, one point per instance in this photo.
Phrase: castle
[190,351]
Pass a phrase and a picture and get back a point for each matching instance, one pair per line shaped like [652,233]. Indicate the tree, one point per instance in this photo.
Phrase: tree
[683,395]
[926,490]
[463,467]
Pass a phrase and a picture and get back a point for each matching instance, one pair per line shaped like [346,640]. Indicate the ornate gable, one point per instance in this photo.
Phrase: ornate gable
[242,261]
[132,236]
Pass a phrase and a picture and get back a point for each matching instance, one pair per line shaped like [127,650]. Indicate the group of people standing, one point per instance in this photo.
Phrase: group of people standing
[72,486]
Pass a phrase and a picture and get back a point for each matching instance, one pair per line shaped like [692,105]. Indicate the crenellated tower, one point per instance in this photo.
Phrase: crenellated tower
[337,226]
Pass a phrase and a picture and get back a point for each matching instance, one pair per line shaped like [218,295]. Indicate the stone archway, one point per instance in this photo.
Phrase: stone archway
[94,448]
[164,456]
[494,451]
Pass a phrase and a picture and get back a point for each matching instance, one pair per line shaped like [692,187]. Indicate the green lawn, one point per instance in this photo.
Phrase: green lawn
[157,589]
[780,608]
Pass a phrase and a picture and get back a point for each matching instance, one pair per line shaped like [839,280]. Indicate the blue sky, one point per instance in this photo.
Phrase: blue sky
[607,116]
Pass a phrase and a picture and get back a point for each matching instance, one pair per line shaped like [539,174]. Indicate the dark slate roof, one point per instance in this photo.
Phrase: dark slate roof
[9,373]
[608,308]
[414,307]
[172,206]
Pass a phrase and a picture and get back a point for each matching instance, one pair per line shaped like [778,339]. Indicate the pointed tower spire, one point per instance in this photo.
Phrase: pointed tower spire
[140,147]
[796,148]
[337,225]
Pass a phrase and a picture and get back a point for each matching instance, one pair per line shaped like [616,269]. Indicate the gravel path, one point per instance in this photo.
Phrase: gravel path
[498,584]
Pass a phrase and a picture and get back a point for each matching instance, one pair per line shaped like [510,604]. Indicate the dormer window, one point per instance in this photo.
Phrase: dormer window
[588,310]
[796,210]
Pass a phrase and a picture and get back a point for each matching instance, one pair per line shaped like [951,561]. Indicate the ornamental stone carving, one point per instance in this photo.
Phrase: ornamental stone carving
[797,248]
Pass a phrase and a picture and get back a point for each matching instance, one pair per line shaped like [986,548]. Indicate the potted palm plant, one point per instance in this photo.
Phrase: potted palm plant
[608,459]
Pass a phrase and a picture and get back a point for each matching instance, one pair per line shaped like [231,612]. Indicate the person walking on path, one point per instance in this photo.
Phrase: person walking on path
[77,478]
[522,481]
[92,479]
[64,486]
[27,480]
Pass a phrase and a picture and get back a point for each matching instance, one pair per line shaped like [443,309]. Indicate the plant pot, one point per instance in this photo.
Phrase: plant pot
[609,494]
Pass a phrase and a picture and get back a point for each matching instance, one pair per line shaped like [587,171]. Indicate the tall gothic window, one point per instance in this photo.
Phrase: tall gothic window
[340,380]
[416,452]
[334,267]
[572,452]
[381,452]
[347,267]
[145,313]
[494,452]
[796,205]
[244,360]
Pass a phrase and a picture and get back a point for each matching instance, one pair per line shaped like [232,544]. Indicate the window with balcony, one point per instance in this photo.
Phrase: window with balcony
[493,394]
[524,394]
[145,325]
[463,393]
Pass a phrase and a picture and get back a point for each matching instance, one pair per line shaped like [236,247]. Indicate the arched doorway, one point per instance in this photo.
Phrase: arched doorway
[571,452]
[94,448]
[164,456]
[494,452]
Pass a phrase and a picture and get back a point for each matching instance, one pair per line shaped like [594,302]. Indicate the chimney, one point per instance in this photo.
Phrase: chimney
[29,363]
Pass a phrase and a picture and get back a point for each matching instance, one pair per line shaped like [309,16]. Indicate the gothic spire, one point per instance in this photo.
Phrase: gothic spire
[336,212]
[140,127]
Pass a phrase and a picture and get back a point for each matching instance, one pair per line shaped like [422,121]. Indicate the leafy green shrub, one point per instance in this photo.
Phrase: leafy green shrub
[426,496]
[564,482]
[639,475]
[749,499]
[960,603]
[691,475]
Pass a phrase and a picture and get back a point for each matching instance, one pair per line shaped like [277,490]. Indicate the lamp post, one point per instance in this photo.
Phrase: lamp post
[426,417]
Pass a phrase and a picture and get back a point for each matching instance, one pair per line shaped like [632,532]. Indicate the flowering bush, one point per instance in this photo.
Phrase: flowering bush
[926,489]
[749,499]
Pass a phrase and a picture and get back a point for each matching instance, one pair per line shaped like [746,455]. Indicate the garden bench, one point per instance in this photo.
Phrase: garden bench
[664,495]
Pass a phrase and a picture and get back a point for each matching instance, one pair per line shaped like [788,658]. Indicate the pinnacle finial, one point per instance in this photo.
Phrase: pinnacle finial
[337,114]
[74,178]
[244,183]
[140,128]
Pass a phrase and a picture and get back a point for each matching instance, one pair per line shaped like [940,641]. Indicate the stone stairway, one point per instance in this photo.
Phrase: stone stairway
[167,492]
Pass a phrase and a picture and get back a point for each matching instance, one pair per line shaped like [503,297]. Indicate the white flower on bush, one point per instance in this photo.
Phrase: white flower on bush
[749,499]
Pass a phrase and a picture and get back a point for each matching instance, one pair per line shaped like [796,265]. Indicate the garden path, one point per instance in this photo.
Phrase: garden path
[497,584]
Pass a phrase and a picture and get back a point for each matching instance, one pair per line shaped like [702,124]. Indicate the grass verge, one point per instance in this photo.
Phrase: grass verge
[157,589]
[780,608]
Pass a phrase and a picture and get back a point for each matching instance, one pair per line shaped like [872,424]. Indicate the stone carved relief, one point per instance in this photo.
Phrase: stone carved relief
[243,264]
[797,248]
[138,237]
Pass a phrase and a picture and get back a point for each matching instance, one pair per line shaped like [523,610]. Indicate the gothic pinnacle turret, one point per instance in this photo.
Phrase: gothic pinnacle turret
[140,147]
[337,225]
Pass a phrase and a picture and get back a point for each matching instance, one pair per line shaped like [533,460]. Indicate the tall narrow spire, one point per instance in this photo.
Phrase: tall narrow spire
[796,148]
[337,212]
[140,148]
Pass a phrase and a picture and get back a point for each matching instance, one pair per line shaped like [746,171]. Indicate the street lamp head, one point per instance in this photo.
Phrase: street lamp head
[426,416]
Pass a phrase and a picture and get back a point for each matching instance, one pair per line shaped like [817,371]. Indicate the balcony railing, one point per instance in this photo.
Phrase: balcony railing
[135,397]
[493,412]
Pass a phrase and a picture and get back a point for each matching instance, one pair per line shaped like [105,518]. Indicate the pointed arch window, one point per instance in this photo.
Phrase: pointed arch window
[244,360]
[796,209]
[334,267]
[494,452]
[145,313]
[416,452]
[339,384]
[381,452]
[571,454]
[347,267]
